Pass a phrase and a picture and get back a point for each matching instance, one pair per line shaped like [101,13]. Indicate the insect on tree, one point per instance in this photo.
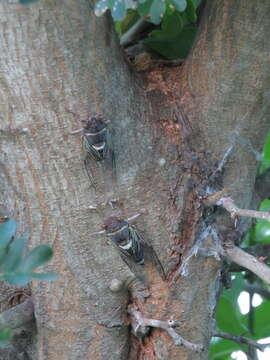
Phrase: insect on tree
[96,144]
[134,250]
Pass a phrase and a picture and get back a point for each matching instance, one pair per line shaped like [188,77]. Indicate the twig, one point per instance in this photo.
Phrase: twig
[251,313]
[223,161]
[230,206]
[261,252]
[242,258]
[240,339]
[131,34]
[140,325]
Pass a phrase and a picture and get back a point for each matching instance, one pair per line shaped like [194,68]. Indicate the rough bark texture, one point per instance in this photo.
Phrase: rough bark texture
[169,129]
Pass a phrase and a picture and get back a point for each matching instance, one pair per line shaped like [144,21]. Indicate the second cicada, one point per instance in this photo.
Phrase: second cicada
[133,248]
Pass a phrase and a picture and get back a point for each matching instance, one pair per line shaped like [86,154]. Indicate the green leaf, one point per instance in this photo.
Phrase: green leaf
[229,317]
[101,7]
[232,294]
[171,41]
[180,4]
[26,2]
[171,26]
[118,10]
[45,276]
[262,232]
[7,231]
[144,8]
[157,11]
[264,205]
[38,256]
[221,349]
[5,335]
[265,164]
[196,3]
[14,255]
[153,10]
[16,278]
[20,278]
[191,11]
[123,26]
[261,320]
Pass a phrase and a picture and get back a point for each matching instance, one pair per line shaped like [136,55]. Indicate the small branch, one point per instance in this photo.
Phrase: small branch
[251,313]
[213,198]
[248,261]
[230,206]
[223,162]
[240,339]
[141,324]
[131,34]
[262,252]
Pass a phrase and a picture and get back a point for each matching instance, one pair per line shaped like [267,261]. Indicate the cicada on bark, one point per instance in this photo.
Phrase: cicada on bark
[133,248]
[97,146]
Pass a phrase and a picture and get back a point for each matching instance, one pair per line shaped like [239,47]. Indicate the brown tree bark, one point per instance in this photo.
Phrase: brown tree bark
[170,127]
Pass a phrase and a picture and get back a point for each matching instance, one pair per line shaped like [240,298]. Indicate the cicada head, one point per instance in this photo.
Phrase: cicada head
[94,125]
[117,230]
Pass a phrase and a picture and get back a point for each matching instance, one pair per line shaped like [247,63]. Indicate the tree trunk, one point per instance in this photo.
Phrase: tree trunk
[170,129]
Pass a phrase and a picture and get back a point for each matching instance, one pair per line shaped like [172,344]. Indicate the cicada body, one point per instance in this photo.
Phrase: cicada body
[95,138]
[96,146]
[133,249]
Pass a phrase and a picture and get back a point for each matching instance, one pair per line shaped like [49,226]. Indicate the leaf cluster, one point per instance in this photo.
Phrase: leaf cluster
[228,315]
[230,319]
[175,20]
[17,265]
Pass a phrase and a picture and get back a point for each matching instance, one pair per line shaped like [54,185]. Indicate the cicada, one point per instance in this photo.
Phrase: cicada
[132,247]
[96,145]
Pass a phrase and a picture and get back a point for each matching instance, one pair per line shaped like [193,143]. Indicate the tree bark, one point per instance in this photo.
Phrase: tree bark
[170,128]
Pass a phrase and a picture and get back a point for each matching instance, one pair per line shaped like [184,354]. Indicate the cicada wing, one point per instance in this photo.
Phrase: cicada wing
[110,156]
[88,169]
[88,160]
[150,256]
[137,245]
[89,150]
[136,269]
